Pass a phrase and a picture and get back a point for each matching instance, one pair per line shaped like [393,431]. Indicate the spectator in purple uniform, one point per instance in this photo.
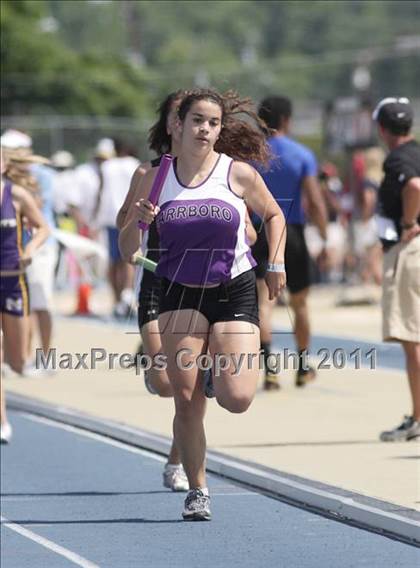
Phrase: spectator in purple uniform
[16,204]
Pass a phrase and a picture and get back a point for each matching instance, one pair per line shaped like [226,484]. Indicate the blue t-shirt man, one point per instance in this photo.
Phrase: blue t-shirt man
[291,171]
[291,163]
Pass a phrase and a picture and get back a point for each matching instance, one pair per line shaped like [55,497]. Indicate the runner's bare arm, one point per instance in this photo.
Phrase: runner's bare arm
[316,203]
[411,209]
[131,195]
[130,235]
[248,183]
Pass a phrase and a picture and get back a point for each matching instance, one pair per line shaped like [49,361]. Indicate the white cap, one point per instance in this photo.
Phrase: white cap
[15,139]
[105,148]
[62,159]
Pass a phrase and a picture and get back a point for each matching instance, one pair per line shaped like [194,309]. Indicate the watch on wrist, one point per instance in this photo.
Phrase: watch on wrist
[271,267]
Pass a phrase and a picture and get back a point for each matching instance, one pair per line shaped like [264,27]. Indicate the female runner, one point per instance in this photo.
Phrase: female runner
[208,301]
[162,139]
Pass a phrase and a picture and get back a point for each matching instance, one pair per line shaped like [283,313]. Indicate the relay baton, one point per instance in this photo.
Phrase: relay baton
[144,261]
[157,186]
[8,273]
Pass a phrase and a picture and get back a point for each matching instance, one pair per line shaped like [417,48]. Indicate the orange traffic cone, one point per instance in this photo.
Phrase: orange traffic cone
[83,295]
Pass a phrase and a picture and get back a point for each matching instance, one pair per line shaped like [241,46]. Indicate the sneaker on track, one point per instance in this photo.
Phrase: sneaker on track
[196,506]
[5,433]
[174,478]
[408,430]
[304,376]
[271,382]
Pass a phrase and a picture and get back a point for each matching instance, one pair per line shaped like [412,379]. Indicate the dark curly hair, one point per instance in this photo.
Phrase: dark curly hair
[159,140]
[243,135]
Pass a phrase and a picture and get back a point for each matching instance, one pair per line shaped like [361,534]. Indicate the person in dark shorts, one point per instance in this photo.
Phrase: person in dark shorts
[399,230]
[162,139]
[291,176]
[208,305]
[16,202]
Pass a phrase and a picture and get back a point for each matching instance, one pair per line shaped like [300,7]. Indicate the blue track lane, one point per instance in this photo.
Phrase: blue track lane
[107,505]
[386,355]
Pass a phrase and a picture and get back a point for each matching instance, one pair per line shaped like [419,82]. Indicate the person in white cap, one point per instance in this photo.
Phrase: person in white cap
[399,231]
[14,139]
[40,273]
[63,183]
[85,199]
[16,202]
[117,174]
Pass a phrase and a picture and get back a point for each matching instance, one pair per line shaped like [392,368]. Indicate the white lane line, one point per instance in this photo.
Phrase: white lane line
[116,444]
[43,497]
[94,436]
[72,556]
[237,494]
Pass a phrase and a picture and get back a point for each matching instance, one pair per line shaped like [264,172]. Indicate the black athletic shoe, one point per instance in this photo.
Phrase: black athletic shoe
[196,506]
[304,376]
[408,430]
[271,382]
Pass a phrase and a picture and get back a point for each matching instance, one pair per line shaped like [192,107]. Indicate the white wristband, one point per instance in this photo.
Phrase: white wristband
[276,267]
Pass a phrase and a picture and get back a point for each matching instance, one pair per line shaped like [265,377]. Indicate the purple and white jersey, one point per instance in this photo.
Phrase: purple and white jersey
[202,229]
[10,231]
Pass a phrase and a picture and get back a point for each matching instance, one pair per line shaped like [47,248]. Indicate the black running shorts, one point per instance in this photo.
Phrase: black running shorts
[297,258]
[235,300]
[148,308]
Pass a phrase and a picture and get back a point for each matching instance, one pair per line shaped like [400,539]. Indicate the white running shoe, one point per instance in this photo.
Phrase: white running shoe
[409,429]
[31,371]
[197,506]
[5,433]
[174,478]
[6,371]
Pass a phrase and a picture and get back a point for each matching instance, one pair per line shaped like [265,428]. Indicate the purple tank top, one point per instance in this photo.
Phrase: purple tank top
[10,227]
[202,229]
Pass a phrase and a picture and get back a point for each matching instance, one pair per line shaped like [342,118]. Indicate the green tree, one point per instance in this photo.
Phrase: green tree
[42,75]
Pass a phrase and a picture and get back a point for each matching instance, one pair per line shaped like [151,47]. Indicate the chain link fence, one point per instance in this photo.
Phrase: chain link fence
[79,134]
